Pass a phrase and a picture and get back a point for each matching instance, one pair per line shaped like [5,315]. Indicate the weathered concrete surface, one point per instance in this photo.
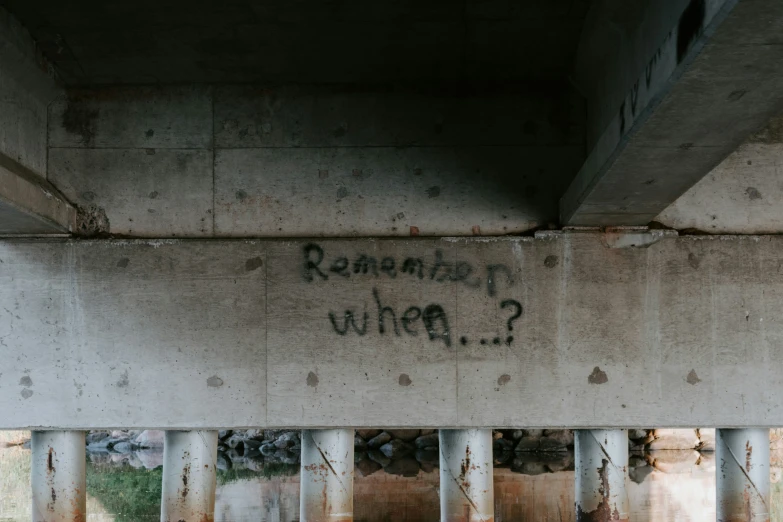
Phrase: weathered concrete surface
[316,160]
[741,195]
[237,333]
[711,79]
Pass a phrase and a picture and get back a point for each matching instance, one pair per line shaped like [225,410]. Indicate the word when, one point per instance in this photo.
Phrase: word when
[439,270]
[433,317]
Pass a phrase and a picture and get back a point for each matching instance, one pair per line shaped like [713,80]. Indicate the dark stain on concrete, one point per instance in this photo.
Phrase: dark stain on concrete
[150,133]
[26,381]
[79,118]
[124,381]
[122,263]
[692,378]
[753,193]
[253,263]
[26,394]
[598,376]
[736,95]
[342,192]
[241,195]
[405,380]
[433,192]
[504,379]
[551,261]
[312,380]
[89,196]
[772,133]
[693,261]
[153,194]
[339,132]
[690,27]
[214,382]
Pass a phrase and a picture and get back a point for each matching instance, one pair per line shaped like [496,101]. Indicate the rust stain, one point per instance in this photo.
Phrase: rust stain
[597,377]
[50,461]
[185,477]
[748,455]
[604,511]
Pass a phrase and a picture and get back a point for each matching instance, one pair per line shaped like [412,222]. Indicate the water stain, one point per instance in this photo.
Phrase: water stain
[124,381]
[312,380]
[405,380]
[214,382]
[26,381]
[122,263]
[433,192]
[551,261]
[693,261]
[504,379]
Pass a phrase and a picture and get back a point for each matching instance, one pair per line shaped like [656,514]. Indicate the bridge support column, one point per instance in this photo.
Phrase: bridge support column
[58,476]
[326,492]
[189,476]
[601,475]
[466,485]
[743,475]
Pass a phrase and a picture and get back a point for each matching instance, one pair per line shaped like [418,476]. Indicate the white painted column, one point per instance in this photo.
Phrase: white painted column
[601,470]
[742,458]
[58,476]
[326,492]
[189,476]
[466,486]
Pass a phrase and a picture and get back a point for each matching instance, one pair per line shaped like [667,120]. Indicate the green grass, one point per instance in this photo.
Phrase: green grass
[128,493]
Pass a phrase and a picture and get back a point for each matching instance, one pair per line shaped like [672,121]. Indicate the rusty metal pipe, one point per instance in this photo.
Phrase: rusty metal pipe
[58,476]
[601,475]
[189,476]
[326,478]
[742,481]
[466,485]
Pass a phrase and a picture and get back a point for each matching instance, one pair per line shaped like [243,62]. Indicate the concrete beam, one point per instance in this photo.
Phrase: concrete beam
[671,92]
[334,333]
[30,205]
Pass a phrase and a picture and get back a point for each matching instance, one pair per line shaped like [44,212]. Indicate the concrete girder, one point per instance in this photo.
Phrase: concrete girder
[672,90]
[92,332]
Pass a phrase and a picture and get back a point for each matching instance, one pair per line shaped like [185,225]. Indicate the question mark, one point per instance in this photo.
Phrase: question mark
[515,304]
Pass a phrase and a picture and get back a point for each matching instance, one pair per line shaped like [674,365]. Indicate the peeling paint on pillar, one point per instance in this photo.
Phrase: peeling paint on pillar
[743,482]
[189,476]
[58,476]
[326,492]
[466,484]
[601,475]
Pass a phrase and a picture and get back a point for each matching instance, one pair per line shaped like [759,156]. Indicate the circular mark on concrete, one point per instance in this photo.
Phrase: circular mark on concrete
[26,381]
[503,379]
[405,380]
[26,394]
[253,263]
[551,261]
[214,382]
[122,263]
[154,194]
[597,377]
[312,380]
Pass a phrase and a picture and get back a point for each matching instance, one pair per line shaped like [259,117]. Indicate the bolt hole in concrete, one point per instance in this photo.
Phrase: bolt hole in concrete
[396,475]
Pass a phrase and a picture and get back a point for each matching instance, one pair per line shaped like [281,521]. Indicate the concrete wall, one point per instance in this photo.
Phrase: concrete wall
[315,161]
[743,195]
[560,331]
